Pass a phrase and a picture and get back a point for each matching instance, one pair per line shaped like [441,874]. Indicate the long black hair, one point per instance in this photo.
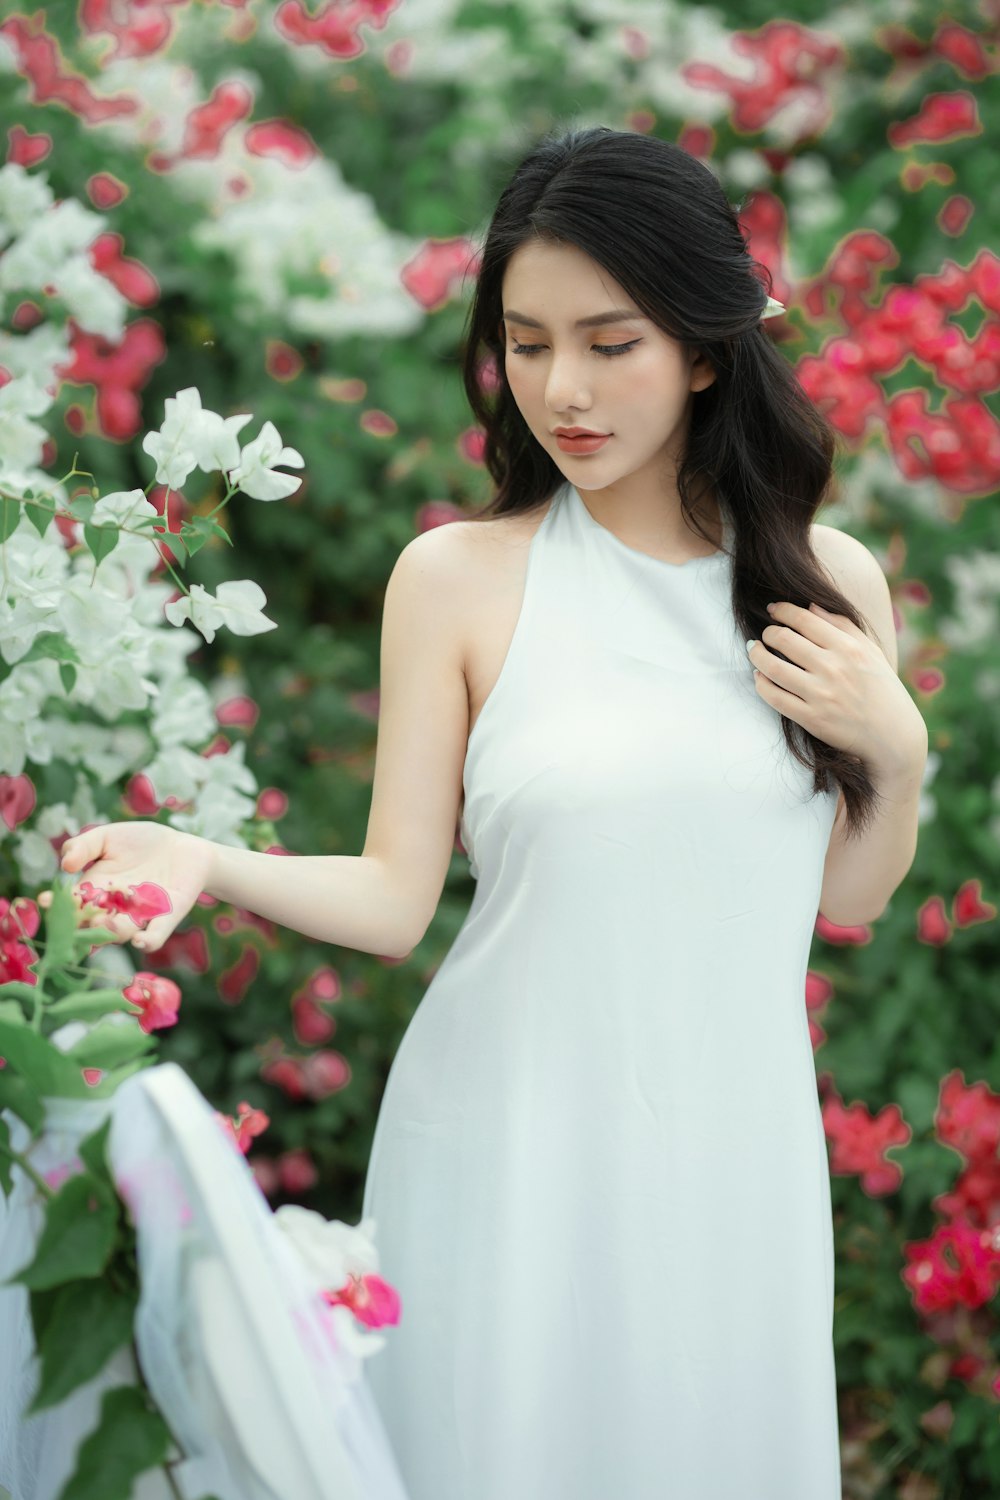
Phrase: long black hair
[659,222]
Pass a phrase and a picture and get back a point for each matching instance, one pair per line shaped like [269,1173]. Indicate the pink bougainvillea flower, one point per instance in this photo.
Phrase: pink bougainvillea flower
[859,1139]
[139,796]
[105,190]
[245,1127]
[297,1171]
[117,371]
[437,513]
[186,949]
[932,923]
[40,61]
[334,27]
[237,979]
[27,150]
[272,802]
[310,1024]
[281,361]
[378,423]
[324,984]
[958,1266]
[158,999]
[139,27]
[290,144]
[969,907]
[20,919]
[130,277]
[287,1074]
[325,1073]
[17,799]
[371,1299]
[438,270]
[140,902]
[471,444]
[241,712]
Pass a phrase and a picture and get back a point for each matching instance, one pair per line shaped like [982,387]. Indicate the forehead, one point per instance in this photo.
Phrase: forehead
[545,279]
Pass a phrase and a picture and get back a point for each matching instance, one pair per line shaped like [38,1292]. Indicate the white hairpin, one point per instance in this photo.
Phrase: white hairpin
[772,308]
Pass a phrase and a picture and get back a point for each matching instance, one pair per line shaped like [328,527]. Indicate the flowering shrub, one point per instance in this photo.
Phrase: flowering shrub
[63,1038]
[313,267]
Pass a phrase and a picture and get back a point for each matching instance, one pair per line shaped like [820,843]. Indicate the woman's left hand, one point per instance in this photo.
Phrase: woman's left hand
[838,684]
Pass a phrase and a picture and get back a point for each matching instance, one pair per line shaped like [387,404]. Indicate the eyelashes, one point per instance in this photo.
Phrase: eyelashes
[610,350]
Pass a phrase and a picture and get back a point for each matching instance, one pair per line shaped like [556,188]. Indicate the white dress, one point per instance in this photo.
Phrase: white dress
[599,1173]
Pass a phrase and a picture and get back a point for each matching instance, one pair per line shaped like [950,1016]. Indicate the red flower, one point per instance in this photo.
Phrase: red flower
[140,902]
[371,1299]
[158,999]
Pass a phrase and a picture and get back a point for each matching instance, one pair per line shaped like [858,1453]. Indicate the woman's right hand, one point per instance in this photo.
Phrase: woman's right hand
[120,855]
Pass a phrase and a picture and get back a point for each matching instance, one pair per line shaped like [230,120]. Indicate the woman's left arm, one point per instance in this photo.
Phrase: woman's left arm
[843,687]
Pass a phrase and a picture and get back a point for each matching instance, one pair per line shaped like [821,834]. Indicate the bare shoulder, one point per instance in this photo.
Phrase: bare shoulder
[856,573]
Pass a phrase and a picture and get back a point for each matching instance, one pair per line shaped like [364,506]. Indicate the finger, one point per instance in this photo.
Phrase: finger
[82,848]
[784,673]
[791,642]
[154,936]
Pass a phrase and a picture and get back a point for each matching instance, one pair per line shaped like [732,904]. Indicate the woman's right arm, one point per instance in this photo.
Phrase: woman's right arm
[382,900]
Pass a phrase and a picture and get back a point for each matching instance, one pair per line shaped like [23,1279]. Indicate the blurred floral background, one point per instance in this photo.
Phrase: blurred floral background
[279,204]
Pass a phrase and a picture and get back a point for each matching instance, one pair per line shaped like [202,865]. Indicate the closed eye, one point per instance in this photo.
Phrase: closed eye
[607,349]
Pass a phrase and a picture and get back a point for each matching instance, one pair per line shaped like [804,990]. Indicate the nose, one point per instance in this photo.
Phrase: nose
[566,388]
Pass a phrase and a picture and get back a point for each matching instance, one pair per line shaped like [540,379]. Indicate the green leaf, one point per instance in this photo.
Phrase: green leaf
[40,514]
[101,539]
[17,989]
[6,1180]
[40,1305]
[47,1070]
[78,1235]
[67,676]
[61,928]
[82,507]
[206,527]
[89,1320]
[128,1440]
[10,515]
[87,1005]
[21,1100]
[109,1043]
[195,543]
[10,1010]
[51,645]
[92,1150]
[85,938]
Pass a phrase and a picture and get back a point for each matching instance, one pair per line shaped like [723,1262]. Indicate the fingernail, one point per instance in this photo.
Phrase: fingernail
[750,645]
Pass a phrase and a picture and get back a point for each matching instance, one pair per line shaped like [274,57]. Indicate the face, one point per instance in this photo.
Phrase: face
[622,375]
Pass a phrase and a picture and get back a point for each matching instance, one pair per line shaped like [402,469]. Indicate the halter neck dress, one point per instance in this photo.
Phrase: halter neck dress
[599,1175]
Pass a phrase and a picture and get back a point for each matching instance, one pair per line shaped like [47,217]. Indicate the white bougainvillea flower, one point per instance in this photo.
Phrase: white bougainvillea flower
[192,437]
[237,604]
[331,1249]
[255,473]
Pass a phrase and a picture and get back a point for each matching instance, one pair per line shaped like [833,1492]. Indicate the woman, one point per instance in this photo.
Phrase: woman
[599,1174]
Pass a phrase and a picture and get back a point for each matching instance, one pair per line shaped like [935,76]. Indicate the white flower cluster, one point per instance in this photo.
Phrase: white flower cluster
[88,639]
[280,227]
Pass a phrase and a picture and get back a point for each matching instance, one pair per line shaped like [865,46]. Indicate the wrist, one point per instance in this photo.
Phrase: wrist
[901,770]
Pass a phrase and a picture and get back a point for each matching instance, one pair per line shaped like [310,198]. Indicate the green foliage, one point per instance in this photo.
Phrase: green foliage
[433,152]
[130,1438]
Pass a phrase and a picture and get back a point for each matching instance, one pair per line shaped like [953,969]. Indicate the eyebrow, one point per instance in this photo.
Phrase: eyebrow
[596,320]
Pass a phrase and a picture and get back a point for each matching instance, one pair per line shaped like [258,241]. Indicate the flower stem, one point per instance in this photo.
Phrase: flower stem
[28,1170]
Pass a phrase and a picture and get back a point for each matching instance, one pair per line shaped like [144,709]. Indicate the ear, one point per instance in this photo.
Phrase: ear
[702,371]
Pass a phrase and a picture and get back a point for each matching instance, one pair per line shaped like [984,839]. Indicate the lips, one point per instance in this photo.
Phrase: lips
[572,432]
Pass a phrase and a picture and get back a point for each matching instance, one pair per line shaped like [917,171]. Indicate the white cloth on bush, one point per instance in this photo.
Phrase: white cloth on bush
[599,1171]
[235,1342]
